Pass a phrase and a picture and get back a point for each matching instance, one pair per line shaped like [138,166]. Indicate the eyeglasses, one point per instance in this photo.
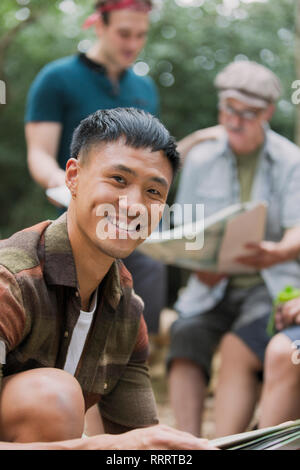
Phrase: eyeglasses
[247,115]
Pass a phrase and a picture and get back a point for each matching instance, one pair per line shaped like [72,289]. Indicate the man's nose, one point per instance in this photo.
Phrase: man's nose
[235,119]
[134,44]
[235,122]
[132,203]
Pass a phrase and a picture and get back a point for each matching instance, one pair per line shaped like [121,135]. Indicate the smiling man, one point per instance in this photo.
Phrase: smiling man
[249,162]
[72,332]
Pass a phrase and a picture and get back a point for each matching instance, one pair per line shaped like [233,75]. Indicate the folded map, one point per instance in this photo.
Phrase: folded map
[285,436]
[212,244]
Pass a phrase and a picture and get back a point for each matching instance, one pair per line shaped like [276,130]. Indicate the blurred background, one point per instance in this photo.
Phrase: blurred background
[190,41]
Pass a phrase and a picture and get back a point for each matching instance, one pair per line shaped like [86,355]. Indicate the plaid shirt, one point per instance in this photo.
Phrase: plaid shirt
[39,308]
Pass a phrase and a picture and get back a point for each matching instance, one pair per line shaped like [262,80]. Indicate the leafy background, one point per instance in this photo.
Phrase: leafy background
[190,41]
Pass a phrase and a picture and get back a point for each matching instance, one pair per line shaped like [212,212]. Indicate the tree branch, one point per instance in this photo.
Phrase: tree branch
[8,38]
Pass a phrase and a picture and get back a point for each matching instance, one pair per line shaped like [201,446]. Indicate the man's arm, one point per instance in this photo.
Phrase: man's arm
[158,437]
[12,323]
[262,255]
[42,145]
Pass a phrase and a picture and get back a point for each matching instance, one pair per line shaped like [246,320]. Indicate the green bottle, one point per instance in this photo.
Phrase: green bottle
[285,295]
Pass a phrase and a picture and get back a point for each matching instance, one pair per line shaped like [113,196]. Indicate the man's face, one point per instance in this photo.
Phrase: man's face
[119,191]
[123,38]
[244,124]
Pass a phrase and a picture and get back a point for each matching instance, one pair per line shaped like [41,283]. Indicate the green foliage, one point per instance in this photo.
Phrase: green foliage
[202,41]
[186,49]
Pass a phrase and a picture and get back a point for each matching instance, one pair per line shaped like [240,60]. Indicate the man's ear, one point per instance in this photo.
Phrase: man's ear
[72,172]
[99,26]
[268,112]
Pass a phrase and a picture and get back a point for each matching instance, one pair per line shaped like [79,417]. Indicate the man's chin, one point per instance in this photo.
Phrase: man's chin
[126,62]
[236,141]
[117,251]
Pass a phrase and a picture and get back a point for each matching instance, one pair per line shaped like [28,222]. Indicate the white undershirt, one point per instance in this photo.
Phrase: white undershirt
[79,336]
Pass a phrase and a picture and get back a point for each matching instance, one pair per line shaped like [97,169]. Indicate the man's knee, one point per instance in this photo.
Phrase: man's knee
[232,345]
[41,404]
[278,357]
[235,353]
[183,363]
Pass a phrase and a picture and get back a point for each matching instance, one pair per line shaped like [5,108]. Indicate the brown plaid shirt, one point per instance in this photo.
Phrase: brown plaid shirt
[39,308]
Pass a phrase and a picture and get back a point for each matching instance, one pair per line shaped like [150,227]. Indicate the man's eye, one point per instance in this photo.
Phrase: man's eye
[250,115]
[154,191]
[119,179]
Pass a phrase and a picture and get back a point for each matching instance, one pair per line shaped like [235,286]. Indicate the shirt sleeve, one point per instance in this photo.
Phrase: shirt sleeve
[154,101]
[131,403]
[290,214]
[46,97]
[12,315]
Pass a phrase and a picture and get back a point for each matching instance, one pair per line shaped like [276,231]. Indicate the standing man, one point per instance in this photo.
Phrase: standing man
[250,162]
[69,89]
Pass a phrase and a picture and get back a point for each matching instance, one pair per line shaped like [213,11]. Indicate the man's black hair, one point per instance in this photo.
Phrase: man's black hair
[138,128]
[105,15]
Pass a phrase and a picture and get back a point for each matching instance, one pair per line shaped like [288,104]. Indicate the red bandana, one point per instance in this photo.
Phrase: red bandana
[110,6]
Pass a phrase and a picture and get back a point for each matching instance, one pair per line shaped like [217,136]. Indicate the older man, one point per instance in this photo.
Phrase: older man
[250,162]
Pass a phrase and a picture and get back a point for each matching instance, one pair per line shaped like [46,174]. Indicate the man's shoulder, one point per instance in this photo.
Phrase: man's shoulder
[20,251]
[282,149]
[59,67]
[206,151]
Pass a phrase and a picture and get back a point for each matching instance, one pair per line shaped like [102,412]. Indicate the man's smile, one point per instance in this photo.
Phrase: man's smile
[124,225]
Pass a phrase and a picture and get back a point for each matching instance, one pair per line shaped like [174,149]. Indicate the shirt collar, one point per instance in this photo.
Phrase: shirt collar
[100,68]
[60,269]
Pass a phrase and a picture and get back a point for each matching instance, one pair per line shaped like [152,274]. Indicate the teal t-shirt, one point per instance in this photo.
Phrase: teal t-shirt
[69,89]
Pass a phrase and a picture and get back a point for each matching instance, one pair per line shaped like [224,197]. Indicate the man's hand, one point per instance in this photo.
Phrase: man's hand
[210,278]
[262,255]
[266,254]
[158,437]
[42,140]
[288,314]
[57,178]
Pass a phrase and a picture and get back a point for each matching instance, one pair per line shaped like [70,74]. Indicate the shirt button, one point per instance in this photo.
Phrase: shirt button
[77,293]
[66,334]
[105,386]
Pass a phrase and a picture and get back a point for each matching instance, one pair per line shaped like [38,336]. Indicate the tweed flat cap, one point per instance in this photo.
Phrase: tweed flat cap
[249,82]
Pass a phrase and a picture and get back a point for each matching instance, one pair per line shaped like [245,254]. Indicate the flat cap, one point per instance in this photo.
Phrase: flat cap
[249,82]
